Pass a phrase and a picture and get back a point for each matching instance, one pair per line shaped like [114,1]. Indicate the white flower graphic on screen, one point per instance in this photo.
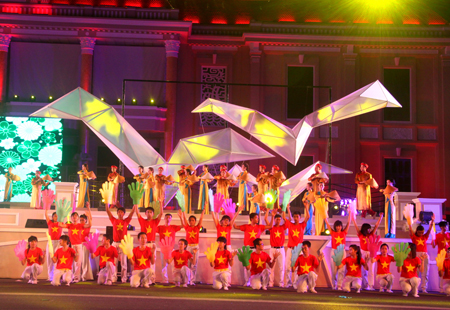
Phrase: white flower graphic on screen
[31,165]
[7,144]
[29,130]
[21,198]
[22,172]
[51,124]
[16,120]
[51,155]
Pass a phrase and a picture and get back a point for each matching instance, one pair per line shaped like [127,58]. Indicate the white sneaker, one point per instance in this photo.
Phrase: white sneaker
[146,285]
[405,294]
[339,288]
[424,291]
[177,284]
[416,295]
[369,288]
[381,290]
[109,282]
[67,284]
[358,291]
[185,285]
[264,288]
[389,291]
[313,291]
[225,288]
[192,283]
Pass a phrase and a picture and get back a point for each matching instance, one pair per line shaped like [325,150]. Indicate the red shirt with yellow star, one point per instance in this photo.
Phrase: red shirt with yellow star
[142,258]
[277,236]
[149,227]
[85,233]
[383,264]
[167,231]
[442,241]
[192,233]
[65,258]
[409,268]
[251,233]
[420,242]
[258,262]
[33,256]
[364,241]
[337,238]
[446,269]
[295,233]
[106,255]
[222,260]
[120,228]
[224,232]
[54,230]
[306,264]
[353,268]
[75,233]
[181,259]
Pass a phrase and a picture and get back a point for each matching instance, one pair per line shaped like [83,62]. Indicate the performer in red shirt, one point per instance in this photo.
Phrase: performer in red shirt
[338,236]
[384,275]
[252,232]
[295,236]
[442,241]
[180,259]
[64,258]
[445,274]
[420,238]
[76,229]
[192,236]
[258,260]
[354,263]
[368,278]
[34,258]
[107,266]
[55,232]
[223,259]
[120,229]
[409,279]
[143,258]
[224,226]
[86,268]
[306,265]
[166,231]
[277,237]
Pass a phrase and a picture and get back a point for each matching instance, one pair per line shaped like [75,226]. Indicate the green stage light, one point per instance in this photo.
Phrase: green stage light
[50,98]
[152,101]
[33,98]
[134,101]
[119,100]
[16,98]
[102,99]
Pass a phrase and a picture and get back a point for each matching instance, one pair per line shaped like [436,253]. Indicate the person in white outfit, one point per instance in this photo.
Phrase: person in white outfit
[180,258]
[143,258]
[223,260]
[354,263]
[307,266]
[107,255]
[259,273]
[384,276]
[54,232]
[409,279]
[444,273]
[34,258]
[64,258]
[277,237]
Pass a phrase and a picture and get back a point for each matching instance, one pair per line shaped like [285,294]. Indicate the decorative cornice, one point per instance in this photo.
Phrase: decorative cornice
[172,48]
[5,39]
[87,45]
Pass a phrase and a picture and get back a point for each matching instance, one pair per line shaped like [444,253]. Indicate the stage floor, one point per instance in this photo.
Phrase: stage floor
[89,295]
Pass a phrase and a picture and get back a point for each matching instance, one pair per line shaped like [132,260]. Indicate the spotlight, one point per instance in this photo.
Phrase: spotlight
[33,98]
[102,99]
[50,98]
[134,101]
[152,101]
[336,207]
[119,100]
[16,98]
[325,233]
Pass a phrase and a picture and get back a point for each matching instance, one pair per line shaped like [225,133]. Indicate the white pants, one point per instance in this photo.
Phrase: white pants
[65,274]
[368,278]
[50,264]
[182,275]
[260,280]
[165,269]
[350,282]
[410,284]
[446,286]
[221,279]
[152,266]
[123,259]
[192,266]
[77,265]
[142,277]
[424,274]
[31,272]
[288,281]
[277,271]
[107,273]
[86,270]
[305,281]
[339,272]
[247,272]
[385,281]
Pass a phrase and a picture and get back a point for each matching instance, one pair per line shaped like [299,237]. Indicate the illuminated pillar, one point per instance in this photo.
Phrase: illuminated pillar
[5,39]
[444,128]
[87,53]
[172,48]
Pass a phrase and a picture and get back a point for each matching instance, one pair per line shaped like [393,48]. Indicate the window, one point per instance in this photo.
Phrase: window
[398,169]
[300,99]
[397,82]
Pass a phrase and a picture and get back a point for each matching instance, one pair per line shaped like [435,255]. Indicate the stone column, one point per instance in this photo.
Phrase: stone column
[255,75]
[444,125]
[5,39]
[172,48]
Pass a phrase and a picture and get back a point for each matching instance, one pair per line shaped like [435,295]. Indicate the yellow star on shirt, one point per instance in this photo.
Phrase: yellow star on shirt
[338,240]
[259,263]
[444,241]
[180,261]
[420,242]
[120,226]
[167,233]
[104,258]
[142,260]
[192,234]
[75,231]
[410,268]
[54,229]
[277,234]
[32,259]
[223,233]
[252,234]
[296,232]
[221,259]
[63,260]
[384,264]
[365,240]
[305,268]
[149,229]
[354,267]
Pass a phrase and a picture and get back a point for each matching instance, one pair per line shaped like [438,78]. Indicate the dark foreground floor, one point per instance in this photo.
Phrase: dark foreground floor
[88,295]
